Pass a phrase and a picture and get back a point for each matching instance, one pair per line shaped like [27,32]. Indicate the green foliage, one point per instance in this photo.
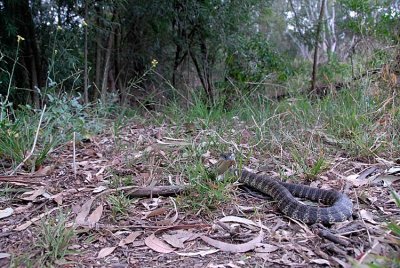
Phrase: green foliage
[393,260]
[205,193]
[379,57]
[66,114]
[395,227]
[17,138]
[333,71]
[63,116]
[54,239]
[347,118]
[120,181]
[310,170]
[23,260]
[252,59]
[197,111]
[372,18]
[8,192]
[119,205]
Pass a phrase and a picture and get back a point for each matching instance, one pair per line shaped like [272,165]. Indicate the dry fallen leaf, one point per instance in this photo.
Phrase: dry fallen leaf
[266,248]
[89,176]
[129,239]
[184,235]
[241,220]
[44,171]
[84,212]
[99,189]
[387,180]
[367,216]
[171,220]
[173,240]
[4,213]
[95,216]
[100,171]
[104,252]
[156,212]
[235,248]
[353,179]
[58,198]
[29,222]
[4,255]
[22,209]
[153,204]
[201,253]
[393,170]
[320,261]
[158,245]
[31,195]
[168,221]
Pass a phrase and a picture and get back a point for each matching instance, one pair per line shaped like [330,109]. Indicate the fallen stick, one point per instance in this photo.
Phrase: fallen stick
[324,233]
[157,191]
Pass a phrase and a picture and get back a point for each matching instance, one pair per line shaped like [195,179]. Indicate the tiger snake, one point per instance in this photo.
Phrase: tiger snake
[339,207]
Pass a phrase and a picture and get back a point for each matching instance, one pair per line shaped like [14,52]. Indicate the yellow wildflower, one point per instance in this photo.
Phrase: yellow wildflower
[20,38]
[154,63]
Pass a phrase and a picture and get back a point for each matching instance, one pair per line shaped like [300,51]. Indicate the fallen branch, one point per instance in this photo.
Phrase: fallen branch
[23,179]
[331,237]
[112,227]
[158,191]
[323,232]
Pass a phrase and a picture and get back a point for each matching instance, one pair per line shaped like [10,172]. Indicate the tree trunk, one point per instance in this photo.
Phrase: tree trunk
[314,71]
[207,73]
[119,68]
[85,73]
[21,12]
[107,66]
[203,71]
[98,55]
[331,39]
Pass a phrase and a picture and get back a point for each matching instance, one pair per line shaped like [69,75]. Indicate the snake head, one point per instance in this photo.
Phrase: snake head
[224,163]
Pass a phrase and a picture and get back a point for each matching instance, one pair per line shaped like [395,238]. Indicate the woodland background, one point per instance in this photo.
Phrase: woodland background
[104,103]
[153,51]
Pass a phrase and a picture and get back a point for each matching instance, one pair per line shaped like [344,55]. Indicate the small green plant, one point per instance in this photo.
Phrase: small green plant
[206,192]
[54,239]
[17,138]
[317,168]
[117,125]
[8,191]
[393,226]
[23,260]
[119,205]
[310,171]
[120,181]
[392,260]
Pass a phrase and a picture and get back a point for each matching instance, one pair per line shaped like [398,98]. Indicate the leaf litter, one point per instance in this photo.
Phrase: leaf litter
[253,226]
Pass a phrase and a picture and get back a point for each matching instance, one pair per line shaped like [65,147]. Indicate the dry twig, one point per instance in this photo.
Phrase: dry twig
[34,143]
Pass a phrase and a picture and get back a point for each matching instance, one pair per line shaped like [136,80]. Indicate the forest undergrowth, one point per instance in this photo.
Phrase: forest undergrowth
[69,172]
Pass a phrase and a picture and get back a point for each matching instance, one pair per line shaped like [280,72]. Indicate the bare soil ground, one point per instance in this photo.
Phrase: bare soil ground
[246,230]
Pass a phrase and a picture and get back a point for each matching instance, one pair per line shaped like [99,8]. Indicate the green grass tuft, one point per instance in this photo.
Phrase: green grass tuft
[119,205]
[54,240]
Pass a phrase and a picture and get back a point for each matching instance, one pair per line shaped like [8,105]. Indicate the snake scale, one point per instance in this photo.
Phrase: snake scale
[339,205]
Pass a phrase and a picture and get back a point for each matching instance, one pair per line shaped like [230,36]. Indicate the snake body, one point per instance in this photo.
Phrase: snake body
[340,206]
